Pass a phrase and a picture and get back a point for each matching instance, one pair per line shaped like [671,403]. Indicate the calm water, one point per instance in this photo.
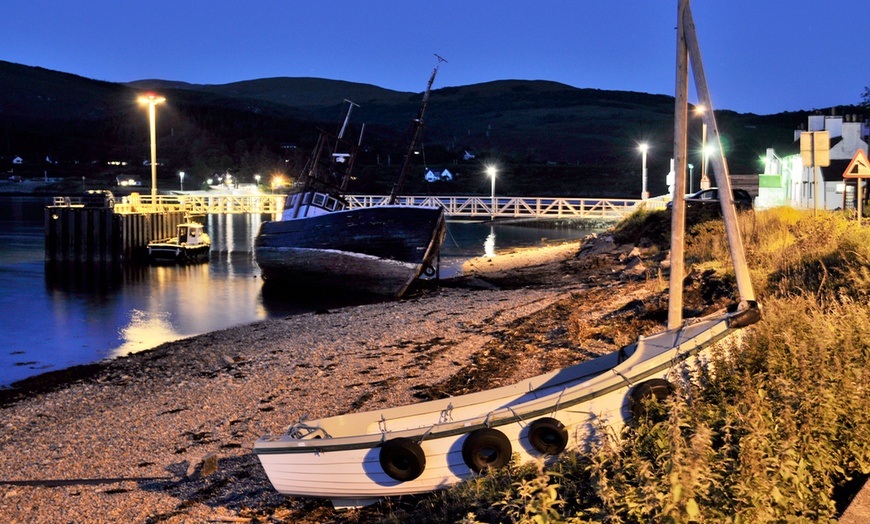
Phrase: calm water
[55,319]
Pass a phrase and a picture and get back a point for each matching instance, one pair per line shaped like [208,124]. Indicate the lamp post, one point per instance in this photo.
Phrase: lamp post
[152,100]
[705,181]
[257,180]
[691,177]
[181,180]
[644,194]
[491,171]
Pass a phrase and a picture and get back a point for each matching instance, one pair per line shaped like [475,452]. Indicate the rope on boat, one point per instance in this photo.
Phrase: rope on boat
[446,414]
[517,415]
[624,378]
[558,401]
[426,433]
[302,430]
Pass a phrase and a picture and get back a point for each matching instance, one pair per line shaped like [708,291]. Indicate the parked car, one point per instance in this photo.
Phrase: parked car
[98,198]
[710,197]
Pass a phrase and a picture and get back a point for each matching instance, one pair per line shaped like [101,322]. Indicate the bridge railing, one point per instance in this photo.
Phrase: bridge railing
[203,204]
[518,207]
[455,206]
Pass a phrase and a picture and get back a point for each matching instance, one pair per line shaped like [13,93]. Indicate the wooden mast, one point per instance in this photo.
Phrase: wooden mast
[688,51]
[720,166]
[678,210]
[418,124]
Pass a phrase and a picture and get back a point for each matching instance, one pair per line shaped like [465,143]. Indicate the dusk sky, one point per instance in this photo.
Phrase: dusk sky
[760,56]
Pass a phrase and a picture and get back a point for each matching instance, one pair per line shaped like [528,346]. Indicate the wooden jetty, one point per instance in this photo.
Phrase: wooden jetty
[75,233]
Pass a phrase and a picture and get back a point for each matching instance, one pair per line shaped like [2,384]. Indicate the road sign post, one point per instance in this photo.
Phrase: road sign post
[859,169]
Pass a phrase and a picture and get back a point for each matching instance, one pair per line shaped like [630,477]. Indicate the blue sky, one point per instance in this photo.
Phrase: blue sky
[760,56]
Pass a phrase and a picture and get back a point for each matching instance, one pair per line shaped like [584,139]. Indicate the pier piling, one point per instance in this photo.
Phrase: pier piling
[82,234]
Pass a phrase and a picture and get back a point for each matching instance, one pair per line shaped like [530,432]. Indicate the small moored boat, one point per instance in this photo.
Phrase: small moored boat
[190,244]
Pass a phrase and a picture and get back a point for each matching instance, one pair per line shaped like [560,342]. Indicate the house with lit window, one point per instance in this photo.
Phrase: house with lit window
[788,179]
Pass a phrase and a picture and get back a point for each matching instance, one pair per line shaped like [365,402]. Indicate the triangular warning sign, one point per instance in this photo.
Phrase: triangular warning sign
[859,167]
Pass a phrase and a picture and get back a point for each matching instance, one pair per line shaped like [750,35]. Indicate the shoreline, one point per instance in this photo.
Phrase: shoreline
[126,440]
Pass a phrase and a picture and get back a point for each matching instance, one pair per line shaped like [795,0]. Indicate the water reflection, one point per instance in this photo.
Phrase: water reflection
[145,330]
[489,243]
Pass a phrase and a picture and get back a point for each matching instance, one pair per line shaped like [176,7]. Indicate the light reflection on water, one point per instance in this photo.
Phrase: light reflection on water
[145,330]
[52,317]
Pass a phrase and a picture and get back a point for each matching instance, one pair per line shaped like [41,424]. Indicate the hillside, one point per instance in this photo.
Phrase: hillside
[579,141]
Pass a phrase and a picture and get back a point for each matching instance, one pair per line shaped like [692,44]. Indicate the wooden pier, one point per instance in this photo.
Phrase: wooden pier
[87,234]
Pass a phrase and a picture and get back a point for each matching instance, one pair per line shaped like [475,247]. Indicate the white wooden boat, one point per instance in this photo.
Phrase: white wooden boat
[356,459]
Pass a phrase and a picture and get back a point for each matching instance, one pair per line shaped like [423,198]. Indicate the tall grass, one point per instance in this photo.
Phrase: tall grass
[767,434]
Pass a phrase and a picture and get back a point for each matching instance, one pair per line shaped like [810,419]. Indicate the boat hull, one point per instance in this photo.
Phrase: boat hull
[378,250]
[172,252]
[340,457]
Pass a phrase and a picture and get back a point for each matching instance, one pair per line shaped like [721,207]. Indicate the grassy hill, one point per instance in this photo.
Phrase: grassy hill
[546,137]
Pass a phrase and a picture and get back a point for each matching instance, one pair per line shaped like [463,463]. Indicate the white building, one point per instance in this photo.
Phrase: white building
[438,176]
[787,181]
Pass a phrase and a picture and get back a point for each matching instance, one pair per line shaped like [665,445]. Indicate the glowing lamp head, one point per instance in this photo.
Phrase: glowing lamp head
[151,98]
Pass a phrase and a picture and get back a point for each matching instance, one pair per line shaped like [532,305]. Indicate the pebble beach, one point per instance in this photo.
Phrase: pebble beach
[166,435]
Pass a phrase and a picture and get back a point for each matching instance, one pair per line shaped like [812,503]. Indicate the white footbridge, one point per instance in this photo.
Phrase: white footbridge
[455,206]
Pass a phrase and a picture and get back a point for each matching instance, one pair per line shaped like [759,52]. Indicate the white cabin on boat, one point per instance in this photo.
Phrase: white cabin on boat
[190,234]
[309,204]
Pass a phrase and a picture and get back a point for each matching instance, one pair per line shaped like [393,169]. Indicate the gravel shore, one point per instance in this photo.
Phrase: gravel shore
[166,435]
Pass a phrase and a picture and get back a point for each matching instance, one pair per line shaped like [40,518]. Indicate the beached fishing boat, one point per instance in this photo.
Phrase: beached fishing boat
[190,244]
[357,458]
[320,241]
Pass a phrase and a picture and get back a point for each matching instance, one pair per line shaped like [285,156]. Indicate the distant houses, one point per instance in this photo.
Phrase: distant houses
[438,176]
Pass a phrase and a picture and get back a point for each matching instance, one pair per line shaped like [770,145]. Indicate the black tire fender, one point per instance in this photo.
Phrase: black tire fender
[402,459]
[486,448]
[640,395]
[548,436]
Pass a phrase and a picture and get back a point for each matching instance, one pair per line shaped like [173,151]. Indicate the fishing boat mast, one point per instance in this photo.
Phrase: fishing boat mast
[338,156]
[418,124]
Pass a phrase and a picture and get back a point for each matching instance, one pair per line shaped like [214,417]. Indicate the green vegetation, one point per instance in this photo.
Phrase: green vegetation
[771,433]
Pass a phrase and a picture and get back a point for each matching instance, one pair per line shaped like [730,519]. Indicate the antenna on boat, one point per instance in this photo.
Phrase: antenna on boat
[346,117]
[418,124]
[688,51]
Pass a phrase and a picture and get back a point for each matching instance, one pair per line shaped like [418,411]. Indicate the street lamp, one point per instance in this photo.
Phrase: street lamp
[257,180]
[152,100]
[691,176]
[181,179]
[705,182]
[491,171]
[644,194]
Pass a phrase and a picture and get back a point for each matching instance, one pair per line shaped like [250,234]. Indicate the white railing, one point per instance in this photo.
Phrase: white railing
[519,207]
[216,204]
[455,206]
